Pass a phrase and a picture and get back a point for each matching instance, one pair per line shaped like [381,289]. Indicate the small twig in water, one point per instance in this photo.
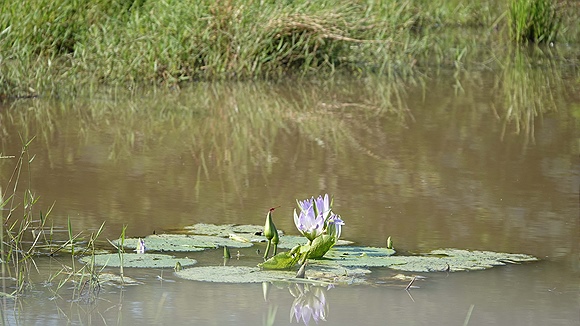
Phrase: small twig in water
[410,283]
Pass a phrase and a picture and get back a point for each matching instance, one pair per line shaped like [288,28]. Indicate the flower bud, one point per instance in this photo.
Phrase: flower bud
[389,243]
[269,228]
[270,233]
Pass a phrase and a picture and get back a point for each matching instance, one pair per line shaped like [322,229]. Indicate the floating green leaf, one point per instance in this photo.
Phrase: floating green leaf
[182,242]
[436,261]
[244,274]
[356,251]
[250,233]
[336,274]
[232,274]
[138,260]
[225,230]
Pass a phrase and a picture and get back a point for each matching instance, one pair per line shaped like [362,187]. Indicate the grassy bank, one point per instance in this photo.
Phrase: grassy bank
[47,44]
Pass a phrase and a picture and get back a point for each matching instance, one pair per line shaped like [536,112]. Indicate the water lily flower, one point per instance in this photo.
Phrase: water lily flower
[322,206]
[308,222]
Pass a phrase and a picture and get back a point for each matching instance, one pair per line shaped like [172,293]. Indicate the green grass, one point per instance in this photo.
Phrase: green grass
[62,46]
[45,45]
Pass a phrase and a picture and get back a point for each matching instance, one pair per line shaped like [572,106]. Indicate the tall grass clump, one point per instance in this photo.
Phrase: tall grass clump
[533,21]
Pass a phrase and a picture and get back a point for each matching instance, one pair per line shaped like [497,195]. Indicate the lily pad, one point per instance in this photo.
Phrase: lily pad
[182,242]
[250,233]
[336,274]
[246,274]
[356,251]
[451,260]
[232,274]
[138,260]
[225,230]
[497,258]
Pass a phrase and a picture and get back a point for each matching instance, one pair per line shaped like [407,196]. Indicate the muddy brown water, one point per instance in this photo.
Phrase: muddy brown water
[439,163]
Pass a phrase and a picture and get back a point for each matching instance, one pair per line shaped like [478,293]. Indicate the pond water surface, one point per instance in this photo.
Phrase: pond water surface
[481,162]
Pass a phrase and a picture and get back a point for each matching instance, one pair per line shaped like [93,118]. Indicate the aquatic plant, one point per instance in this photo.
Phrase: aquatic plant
[317,223]
[316,218]
[313,214]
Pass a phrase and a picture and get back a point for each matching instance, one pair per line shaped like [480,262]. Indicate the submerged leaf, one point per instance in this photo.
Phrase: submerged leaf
[117,280]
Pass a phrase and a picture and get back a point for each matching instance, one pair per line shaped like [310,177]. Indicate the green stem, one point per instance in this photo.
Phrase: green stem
[267,249]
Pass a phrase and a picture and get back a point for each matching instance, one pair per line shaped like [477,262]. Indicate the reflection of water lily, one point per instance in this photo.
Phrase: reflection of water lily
[310,303]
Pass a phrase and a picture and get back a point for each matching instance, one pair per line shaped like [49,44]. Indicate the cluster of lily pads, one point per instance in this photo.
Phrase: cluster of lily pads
[330,260]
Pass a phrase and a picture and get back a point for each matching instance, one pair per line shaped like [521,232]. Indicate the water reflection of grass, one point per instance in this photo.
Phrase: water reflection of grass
[528,90]
[45,43]
[226,133]
[233,124]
